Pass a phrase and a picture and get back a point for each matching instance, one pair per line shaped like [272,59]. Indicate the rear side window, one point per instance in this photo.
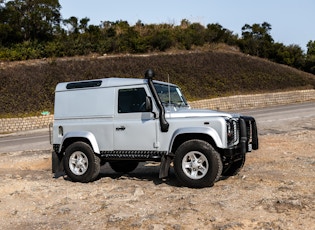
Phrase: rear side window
[84,84]
[131,100]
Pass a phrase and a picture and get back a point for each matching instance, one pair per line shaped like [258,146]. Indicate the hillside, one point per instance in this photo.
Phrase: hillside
[28,87]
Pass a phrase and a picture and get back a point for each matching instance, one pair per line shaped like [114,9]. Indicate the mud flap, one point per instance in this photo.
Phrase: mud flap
[165,166]
[57,164]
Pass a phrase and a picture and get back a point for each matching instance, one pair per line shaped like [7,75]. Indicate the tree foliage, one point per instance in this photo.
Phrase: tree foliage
[35,29]
[310,57]
[24,20]
[256,39]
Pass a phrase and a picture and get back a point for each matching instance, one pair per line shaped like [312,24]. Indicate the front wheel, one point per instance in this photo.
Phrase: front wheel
[80,162]
[197,164]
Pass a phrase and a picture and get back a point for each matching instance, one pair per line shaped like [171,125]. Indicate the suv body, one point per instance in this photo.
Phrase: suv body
[124,121]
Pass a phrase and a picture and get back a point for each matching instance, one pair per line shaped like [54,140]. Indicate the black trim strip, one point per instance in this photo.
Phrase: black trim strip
[132,155]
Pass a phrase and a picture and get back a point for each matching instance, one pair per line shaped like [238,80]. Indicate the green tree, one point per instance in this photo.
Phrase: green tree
[256,39]
[10,26]
[28,20]
[310,57]
[183,39]
[197,34]
[84,24]
[291,55]
[72,25]
[189,34]
[122,35]
[161,40]
[215,32]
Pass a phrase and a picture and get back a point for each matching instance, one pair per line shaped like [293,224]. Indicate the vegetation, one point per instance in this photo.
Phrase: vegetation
[32,29]
[28,87]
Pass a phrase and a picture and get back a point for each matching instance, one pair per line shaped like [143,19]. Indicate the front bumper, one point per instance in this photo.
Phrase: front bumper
[248,140]
[248,134]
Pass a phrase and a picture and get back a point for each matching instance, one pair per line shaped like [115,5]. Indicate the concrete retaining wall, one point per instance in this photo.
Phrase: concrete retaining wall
[239,102]
[10,125]
[255,101]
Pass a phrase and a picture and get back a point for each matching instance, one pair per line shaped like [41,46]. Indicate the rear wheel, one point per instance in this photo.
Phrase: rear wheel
[80,162]
[123,166]
[197,164]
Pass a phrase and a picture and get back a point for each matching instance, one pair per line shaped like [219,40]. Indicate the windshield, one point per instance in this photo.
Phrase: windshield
[170,95]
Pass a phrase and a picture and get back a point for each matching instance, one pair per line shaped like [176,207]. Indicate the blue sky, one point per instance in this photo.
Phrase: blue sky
[292,21]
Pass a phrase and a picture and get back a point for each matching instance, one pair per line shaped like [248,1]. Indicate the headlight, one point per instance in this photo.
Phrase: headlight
[232,131]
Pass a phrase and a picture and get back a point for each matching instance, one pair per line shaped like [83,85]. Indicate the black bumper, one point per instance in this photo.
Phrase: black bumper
[248,140]
[248,134]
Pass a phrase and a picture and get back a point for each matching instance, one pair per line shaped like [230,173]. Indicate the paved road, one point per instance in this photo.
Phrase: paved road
[25,141]
[278,119]
[281,119]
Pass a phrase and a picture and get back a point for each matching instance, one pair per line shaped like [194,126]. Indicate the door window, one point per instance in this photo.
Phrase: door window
[131,100]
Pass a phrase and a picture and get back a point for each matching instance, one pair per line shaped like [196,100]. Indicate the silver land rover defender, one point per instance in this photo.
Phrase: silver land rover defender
[124,121]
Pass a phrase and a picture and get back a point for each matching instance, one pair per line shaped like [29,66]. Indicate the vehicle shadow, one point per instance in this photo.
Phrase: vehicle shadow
[146,171]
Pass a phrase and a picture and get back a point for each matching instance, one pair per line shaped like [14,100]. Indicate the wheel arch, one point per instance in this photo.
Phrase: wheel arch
[83,136]
[206,134]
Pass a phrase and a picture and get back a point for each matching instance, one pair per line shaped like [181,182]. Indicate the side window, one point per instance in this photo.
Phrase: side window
[131,100]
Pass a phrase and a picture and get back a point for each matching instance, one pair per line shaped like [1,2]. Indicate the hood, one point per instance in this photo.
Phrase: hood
[187,112]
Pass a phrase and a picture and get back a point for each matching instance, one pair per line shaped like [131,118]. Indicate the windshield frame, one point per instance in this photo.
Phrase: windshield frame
[170,95]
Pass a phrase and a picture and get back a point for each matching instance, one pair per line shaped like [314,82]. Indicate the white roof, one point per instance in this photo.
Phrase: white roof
[105,82]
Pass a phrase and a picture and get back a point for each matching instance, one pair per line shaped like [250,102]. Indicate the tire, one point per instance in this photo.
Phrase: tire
[197,164]
[123,166]
[80,162]
[234,168]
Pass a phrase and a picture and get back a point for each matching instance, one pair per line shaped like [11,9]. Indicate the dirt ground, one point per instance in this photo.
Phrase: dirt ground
[274,190]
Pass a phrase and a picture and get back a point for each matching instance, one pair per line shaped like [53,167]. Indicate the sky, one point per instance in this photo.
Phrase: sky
[292,21]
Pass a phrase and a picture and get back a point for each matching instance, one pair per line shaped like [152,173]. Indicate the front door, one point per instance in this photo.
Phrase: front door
[134,127]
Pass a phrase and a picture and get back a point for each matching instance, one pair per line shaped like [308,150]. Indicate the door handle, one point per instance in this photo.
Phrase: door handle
[121,128]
